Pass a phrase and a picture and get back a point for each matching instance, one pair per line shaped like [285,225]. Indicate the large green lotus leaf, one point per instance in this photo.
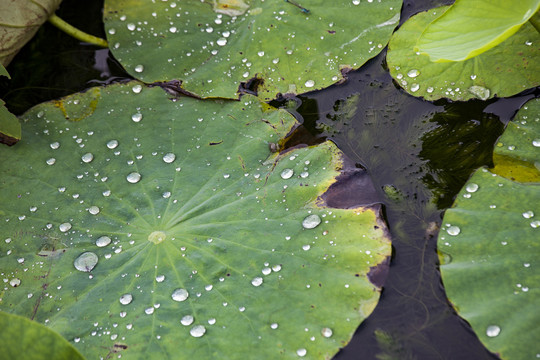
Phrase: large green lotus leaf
[490,240]
[208,244]
[212,52]
[470,28]
[23,339]
[19,21]
[504,70]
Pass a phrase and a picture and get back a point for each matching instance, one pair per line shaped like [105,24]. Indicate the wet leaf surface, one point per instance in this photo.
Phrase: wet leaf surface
[489,242]
[212,50]
[154,221]
[502,71]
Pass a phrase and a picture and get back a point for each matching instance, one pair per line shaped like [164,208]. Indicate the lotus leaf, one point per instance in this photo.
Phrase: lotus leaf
[10,128]
[32,341]
[469,28]
[489,242]
[213,46]
[157,227]
[19,21]
[501,71]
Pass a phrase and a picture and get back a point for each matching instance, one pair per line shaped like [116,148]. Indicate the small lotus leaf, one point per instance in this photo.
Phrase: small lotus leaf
[160,228]
[469,28]
[213,46]
[504,70]
[23,339]
[489,241]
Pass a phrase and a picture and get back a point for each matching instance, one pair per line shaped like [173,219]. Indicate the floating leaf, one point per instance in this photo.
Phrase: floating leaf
[19,21]
[213,46]
[155,222]
[10,128]
[502,71]
[23,339]
[469,28]
[490,244]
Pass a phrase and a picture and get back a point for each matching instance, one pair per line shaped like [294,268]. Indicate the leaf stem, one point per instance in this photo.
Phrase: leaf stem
[76,33]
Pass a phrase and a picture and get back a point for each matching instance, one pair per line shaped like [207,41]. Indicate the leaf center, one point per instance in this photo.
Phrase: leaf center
[157,237]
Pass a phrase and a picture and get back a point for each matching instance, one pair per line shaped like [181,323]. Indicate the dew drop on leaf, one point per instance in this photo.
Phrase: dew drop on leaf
[86,261]
[453,230]
[257,281]
[112,144]
[169,158]
[94,210]
[126,299]
[326,332]
[15,282]
[180,295]
[197,331]
[65,227]
[136,117]
[103,241]
[311,221]
[301,352]
[287,174]
[88,157]
[187,320]
[472,187]
[133,177]
[493,330]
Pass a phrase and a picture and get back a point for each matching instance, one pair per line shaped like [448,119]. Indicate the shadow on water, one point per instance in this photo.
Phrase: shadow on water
[417,153]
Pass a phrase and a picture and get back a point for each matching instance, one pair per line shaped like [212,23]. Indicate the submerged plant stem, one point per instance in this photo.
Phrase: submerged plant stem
[76,33]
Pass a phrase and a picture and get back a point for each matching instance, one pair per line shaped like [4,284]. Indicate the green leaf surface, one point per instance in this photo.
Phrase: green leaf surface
[208,244]
[19,21]
[502,71]
[490,241]
[23,339]
[286,49]
[4,72]
[469,28]
[10,127]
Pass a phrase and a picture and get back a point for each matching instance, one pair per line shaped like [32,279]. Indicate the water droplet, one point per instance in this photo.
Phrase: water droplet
[160,278]
[276,268]
[149,311]
[528,214]
[535,224]
[453,230]
[472,187]
[222,42]
[274,326]
[133,177]
[257,281]
[536,142]
[413,73]
[187,320]
[136,117]
[126,299]
[326,332]
[50,161]
[208,287]
[94,210]
[112,144]
[139,68]
[65,227]
[309,83]
[15,282]
[311,221]
[88,157]
[169,158]
[287,174]
[415,87]
[493,330]
[103,241]
[197,331]
[306,247]
[212,321]
[55,145]
[266,271]
[136,88]
[301,352]
[480,92]
[180,295]
[86,261]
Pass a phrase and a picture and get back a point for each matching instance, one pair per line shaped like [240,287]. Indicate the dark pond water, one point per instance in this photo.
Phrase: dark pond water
[417,153]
